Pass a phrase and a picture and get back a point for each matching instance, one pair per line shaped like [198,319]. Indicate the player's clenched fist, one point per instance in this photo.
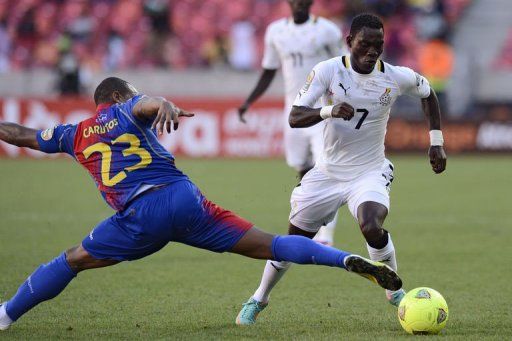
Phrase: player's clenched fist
[437,158]
[343,110]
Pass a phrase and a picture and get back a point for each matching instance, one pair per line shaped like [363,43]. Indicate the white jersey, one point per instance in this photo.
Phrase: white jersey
[354,147]
[297,48]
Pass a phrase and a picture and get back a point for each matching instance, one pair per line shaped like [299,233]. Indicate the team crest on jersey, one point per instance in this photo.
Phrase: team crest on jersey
[330,96]
[385,98]
[47,134]
[102,117]
[309,80]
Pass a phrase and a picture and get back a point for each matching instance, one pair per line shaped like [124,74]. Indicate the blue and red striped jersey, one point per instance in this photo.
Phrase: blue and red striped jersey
[121,152]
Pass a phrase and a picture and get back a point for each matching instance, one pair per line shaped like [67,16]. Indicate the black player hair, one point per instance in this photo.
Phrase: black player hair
[103,92]
[365,20]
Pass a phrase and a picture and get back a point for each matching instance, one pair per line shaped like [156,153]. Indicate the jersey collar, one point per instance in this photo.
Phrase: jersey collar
[379,66]
[312,19]
[102,106]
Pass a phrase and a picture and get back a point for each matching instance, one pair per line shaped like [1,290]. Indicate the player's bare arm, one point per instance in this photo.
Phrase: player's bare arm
[266,78]
[302,117]
[161,112]
[18,135]
[436,152]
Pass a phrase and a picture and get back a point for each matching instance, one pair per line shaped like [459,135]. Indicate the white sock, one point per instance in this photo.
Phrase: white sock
[5,320]
[385,255]
[326,233]
[271,275]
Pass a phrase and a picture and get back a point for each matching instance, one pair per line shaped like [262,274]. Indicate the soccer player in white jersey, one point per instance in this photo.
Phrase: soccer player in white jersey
[297,44]
[357,92]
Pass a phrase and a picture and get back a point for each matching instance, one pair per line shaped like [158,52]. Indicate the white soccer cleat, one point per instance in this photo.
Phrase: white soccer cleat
[5,321]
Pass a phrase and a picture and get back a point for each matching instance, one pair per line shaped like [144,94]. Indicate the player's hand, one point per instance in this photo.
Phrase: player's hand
[437,158]
[167,113]
[241,112]
[343,110]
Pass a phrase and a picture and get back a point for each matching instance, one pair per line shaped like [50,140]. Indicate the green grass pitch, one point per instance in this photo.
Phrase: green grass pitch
[452,232]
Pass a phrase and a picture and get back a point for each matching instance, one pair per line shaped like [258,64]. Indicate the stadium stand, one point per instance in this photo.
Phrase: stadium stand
[193,51]
[120,34]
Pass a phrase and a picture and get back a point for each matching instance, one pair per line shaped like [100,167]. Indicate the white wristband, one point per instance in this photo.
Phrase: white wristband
[436,138]
[326,112]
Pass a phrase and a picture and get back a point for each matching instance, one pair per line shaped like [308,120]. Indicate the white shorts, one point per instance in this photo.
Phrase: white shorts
[303,145]
[318,197]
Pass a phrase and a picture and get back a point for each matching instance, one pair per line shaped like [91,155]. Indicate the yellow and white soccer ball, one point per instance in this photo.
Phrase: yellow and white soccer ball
[423,311]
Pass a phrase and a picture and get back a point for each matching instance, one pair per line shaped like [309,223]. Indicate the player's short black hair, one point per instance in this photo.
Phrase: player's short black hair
[103,92]
[365,20]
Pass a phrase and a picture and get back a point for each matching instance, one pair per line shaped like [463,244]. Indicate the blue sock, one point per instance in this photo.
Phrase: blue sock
[302,250]
[43,284]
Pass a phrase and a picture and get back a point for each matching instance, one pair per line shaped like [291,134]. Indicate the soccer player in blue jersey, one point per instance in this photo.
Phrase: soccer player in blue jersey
[155,202]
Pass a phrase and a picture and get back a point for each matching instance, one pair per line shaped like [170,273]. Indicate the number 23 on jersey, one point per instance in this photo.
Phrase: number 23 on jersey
[106,157]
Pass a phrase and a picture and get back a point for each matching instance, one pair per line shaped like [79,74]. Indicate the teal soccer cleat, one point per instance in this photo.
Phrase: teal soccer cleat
[395,297]
[249,312]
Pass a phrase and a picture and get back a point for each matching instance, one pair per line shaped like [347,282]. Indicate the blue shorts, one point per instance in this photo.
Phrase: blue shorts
[177,212]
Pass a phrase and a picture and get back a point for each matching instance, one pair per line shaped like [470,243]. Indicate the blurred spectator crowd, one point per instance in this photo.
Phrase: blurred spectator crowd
[124,34]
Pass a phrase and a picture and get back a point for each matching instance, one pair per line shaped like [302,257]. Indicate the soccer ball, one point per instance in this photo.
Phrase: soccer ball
[423,311]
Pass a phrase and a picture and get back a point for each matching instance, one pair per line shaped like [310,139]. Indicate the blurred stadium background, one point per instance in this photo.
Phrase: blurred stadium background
[205,55]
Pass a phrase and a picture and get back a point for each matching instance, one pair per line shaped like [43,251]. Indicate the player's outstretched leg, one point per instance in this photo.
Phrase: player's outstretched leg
[371,216]
[302,250]
[275,270]
[46,282]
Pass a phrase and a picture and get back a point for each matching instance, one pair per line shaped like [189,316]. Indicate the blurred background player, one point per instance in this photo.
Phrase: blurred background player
[155,202]
[297,44]
[357,92]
